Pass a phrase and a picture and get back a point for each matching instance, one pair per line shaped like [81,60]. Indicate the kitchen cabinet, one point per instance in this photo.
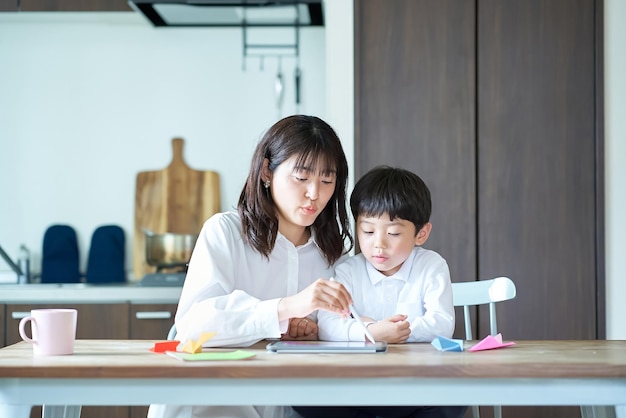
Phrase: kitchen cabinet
[95,321]
[73,6]
[497,106]
[149,322]
[8,5]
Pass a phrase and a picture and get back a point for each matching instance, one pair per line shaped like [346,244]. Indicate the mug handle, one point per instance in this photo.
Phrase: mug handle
[23,322]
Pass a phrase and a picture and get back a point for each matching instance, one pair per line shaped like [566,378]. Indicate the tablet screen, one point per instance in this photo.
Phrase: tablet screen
[327,347]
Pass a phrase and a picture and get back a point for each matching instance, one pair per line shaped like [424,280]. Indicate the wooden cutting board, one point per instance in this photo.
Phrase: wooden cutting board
[176,199]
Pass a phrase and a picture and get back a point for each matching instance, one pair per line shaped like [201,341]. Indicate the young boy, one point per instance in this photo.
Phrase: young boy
[401,290]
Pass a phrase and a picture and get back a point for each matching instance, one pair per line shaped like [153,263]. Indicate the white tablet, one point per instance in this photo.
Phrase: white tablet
[327,347]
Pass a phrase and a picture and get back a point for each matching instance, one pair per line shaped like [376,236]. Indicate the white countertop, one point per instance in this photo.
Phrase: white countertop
[88,293]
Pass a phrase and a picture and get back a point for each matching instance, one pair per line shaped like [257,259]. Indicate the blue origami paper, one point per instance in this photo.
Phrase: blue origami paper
[447,344]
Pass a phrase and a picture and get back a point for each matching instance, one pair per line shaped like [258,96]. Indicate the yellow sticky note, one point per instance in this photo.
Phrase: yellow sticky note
[194,347]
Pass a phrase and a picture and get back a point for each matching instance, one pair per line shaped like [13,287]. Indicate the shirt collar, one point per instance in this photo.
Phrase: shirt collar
[280,237]
[376,276]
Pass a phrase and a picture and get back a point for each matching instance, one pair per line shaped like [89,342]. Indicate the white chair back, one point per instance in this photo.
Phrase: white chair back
[482,292]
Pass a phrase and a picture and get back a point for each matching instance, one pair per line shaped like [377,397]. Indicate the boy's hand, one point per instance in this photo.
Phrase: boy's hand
[301,329]
[395,329]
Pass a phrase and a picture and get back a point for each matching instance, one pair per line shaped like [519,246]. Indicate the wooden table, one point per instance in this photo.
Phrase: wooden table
[112,372]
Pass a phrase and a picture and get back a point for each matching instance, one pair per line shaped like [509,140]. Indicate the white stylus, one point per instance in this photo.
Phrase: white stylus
[355,315]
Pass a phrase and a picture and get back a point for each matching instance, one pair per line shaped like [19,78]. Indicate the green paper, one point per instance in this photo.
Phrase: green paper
[212,356]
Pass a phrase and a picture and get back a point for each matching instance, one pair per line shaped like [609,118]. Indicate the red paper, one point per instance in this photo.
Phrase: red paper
[163,346]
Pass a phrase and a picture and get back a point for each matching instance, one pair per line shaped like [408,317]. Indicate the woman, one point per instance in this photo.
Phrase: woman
[261,272]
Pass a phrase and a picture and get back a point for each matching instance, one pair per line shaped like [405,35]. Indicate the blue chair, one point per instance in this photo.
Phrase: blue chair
[107,254]
[59,261]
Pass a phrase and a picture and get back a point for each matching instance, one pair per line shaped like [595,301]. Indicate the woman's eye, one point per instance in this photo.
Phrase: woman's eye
[328,181]
[368,232]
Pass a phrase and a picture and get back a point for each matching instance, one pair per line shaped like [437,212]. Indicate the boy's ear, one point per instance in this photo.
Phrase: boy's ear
[423,234]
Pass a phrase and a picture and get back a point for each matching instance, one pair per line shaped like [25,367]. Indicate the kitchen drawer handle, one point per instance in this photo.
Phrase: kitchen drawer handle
[19,315]
[154,315]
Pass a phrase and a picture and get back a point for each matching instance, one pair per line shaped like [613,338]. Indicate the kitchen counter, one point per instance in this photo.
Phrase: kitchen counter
[88,293]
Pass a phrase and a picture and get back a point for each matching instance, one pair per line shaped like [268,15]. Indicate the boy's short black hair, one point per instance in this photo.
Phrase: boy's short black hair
[397,192]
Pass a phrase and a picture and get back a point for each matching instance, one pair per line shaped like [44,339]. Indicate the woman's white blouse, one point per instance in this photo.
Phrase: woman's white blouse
[234,291]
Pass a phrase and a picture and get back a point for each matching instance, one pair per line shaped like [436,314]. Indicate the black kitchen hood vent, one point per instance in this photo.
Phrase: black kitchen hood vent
[231,13]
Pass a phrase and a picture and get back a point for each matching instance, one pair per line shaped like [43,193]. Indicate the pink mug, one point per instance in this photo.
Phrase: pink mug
[53,330]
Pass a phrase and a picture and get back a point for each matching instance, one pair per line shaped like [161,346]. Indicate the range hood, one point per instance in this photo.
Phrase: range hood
[229,13]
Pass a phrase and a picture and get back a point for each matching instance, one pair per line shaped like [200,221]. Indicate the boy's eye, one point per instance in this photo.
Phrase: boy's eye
[394,234]
[300,178]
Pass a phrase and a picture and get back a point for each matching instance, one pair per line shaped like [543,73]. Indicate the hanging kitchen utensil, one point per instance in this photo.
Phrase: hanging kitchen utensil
[279,88]
[298,74]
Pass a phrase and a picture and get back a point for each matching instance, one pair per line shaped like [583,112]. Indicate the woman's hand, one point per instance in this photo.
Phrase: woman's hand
[395,329]
[301,329]
[322,294]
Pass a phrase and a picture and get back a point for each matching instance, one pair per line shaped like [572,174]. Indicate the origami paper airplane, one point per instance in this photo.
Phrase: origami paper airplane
[490,342]
[447,344]
[193,347]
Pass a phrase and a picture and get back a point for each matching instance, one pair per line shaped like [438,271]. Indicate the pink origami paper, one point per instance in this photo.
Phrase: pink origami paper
[491,342]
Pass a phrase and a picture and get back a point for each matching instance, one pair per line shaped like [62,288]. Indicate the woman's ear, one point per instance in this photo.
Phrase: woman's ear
[423,234]
[266,174]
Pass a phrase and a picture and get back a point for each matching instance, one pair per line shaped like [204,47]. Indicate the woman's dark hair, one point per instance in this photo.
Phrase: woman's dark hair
[399,193]
[315,144]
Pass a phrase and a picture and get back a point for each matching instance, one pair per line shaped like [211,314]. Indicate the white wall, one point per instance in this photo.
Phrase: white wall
[615,169]
[88,100]
[340,75]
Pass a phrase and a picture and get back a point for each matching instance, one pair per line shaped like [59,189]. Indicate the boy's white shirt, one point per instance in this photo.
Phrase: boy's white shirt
[421,289]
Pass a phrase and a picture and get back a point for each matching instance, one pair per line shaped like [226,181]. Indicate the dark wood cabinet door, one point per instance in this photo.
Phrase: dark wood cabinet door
[538,170]
[415,108]
[497,106]
[75,6]
[95,321]
[150,322]
[8,5]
